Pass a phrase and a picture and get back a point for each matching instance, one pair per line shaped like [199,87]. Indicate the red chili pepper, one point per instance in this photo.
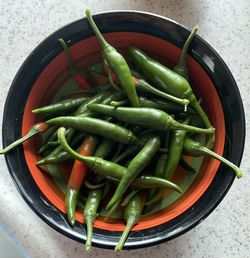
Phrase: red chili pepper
[78,174]
[34,130]
[82,82]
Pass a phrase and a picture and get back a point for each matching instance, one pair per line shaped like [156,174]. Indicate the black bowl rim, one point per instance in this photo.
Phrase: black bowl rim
[143,238]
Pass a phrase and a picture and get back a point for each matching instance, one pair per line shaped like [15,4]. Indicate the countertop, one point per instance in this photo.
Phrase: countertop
[223,24]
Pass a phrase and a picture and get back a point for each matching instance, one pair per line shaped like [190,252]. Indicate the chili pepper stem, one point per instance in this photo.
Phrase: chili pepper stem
[193,129]
[195,104]
[130,223]
[181,67]
[238,171]
[118,103]
[143,84]
[101,39]
[32,132]
[68,56]
[71,200]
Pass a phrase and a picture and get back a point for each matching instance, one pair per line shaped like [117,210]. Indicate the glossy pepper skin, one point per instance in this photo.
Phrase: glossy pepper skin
[170,82]
[117,64]
[139,162]
[60,107]
[132,213]
[159,120]
[90,213]
[96,126]
[34,130]
[77,176]
[112,170]
[194,148]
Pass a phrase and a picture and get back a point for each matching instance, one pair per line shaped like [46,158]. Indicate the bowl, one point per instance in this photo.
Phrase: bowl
[45,71]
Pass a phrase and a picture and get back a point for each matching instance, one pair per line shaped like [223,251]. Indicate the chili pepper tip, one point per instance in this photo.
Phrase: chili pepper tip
[41,162]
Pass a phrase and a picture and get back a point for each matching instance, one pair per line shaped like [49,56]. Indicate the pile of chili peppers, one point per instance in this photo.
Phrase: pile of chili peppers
[138,120]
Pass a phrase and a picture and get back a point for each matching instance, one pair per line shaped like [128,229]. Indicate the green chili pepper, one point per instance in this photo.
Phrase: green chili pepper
[104,148]
[176,144]
[181,67]
[170,82]
[92,203]
[131,150]
[164,105]
[129,196]
[132,214]
[48,133]
[117,63]
[58,155]
[194,148]
[60,107]
[140,161]
[160,165]
[112,170]
[96,126]
[34,130]
[144,86]
[148,117]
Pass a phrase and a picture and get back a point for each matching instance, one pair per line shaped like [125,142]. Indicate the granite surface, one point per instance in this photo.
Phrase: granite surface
[225,25]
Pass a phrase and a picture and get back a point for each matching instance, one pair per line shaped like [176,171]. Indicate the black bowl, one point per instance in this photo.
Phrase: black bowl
[125,21]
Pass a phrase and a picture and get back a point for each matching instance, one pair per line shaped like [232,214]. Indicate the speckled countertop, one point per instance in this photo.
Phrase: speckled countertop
[225,25]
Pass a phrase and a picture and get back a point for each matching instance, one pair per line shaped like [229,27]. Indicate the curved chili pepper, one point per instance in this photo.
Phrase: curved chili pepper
[159,120]
[117,63]
[181,67]
[96,126]
[58,155]
[78,173]
[112,170]
[170,82]
[139,162]
[132,213]
[34,130]
[196,149]
[91,206]
[76,76]
[59,107]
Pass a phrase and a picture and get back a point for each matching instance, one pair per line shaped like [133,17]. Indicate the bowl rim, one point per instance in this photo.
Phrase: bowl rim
[135,244]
